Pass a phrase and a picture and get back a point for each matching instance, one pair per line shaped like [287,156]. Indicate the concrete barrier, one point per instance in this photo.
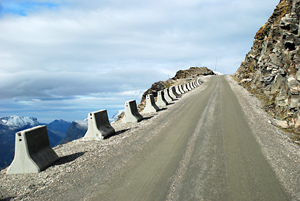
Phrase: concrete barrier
[171,93]
[193,83]
[98,126]
[185,88]
[150,104]
[188,86]
[198,81]
[178,90]
[167,96]
[181,89]
[173,89]
[131,113]
[33,152]
[161,102]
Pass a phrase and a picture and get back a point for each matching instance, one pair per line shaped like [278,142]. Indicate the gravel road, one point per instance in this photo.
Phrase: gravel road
[214,143]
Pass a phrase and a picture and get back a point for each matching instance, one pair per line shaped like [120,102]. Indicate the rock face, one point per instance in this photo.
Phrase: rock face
[154,89]
[193,71]
[271,68]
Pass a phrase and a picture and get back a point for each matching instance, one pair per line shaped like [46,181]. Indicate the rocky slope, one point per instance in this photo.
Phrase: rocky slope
[271,68]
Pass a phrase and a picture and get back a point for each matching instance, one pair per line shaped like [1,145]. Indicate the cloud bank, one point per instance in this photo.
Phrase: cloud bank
[66,57]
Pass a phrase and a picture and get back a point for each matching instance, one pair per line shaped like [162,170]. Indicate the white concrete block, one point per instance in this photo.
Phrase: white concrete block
[188,86]
[185,88]
[131,112]
[181,89]
[173,89]
[171,93]
[161,102]
[178,90]
[33,152]
[151,107]
[167,96]
[98,126]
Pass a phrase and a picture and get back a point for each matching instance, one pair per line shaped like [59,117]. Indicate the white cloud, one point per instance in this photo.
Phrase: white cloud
[81,48]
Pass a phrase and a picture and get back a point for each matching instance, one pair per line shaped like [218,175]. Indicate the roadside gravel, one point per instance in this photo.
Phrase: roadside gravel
[281,153]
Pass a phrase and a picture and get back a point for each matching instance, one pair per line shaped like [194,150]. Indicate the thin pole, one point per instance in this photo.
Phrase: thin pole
[216,63]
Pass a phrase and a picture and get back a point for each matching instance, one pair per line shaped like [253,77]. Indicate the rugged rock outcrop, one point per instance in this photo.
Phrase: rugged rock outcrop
[193,71]
[154,89]
[186,75]
[271,68]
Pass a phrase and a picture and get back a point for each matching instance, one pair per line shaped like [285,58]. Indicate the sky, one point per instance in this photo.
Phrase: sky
[61,59]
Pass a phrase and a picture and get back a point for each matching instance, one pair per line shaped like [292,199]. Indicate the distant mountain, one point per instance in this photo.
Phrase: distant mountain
[13,124]
[116,116]
[76,130]
[59,127]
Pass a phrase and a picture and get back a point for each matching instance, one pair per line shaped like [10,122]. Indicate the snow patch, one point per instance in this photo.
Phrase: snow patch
[19,121]
[116,116]
[83,123]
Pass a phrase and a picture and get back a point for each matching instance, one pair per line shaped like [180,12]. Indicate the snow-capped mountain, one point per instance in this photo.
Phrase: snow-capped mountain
[15,122]
[83,123]
[116,116]
[76,130]
[59,127]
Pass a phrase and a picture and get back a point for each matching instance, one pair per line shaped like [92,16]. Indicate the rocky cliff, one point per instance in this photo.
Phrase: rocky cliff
[271,68]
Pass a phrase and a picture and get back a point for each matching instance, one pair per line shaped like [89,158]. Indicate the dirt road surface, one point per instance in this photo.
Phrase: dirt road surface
[215,143]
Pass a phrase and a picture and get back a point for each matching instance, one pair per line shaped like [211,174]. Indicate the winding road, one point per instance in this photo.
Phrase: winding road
[205,150]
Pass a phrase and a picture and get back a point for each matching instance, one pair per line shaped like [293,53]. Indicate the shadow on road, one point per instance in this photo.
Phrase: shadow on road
[68,158]
[117,133]
[146,118]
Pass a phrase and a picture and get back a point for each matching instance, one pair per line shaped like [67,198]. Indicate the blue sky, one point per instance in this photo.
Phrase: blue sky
[66,58]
